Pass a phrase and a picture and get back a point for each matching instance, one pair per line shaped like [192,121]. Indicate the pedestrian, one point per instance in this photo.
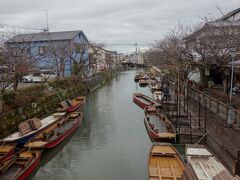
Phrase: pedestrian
[165,93]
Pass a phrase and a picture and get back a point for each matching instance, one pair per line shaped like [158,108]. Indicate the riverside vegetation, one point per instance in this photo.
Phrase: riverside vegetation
[41,100]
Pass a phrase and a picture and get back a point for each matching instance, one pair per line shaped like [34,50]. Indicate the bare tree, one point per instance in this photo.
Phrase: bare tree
[211,47]
[58,53]
[20,59]
[65,52]
[6,76]
[78,55]
[171,51]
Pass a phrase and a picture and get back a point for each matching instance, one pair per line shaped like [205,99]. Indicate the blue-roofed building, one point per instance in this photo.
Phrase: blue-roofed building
[49,45]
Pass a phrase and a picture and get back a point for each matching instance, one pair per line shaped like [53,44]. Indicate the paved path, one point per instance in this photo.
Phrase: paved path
[223,141]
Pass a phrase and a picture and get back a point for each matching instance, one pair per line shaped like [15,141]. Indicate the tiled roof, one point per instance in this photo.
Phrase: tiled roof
[45,36]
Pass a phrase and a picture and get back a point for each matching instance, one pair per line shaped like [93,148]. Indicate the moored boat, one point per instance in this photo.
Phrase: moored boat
[158,126]
[155,87]
[6,151]
[137,76]
[56,133]
[6,163]
[151,82]
[143,82]
[202,164]
[164,163]
[72,105]
[28,129]
[143,101]
[25,164]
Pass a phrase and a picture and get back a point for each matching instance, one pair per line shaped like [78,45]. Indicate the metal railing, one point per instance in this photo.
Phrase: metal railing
[219,108]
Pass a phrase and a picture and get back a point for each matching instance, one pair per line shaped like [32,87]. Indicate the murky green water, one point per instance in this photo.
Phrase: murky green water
[112,142]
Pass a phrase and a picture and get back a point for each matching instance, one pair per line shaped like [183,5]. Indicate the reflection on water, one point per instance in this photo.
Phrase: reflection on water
[112,142]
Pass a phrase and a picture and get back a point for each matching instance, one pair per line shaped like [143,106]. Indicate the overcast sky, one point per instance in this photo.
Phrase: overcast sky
[117,23]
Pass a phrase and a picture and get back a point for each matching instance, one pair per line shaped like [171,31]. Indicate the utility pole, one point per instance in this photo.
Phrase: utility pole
[136,45]
[230,111]
[47,28]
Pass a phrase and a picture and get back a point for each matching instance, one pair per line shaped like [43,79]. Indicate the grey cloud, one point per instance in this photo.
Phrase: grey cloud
[112,21]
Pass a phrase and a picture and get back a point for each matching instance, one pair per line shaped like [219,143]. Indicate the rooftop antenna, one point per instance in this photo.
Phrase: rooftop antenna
[47,28]
[219,9]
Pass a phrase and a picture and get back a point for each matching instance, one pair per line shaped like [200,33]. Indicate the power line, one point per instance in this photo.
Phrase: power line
[126,44]
[20,27]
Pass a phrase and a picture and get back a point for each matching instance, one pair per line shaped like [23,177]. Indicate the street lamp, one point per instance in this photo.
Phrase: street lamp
[230,111]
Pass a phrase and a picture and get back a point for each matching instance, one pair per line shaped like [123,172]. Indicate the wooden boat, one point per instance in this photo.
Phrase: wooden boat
[6,163]
[148,73]
[158,126]
[143,101]
[157,95]
[6,151]
[26,130]
[137,76]
[151,82]
[56,133]
[72,105]
[143,82]
[164,163]
[202,164]
[155,87]
[25,163]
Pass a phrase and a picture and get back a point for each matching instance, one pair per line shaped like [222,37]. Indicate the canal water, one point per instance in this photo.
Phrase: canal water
[111,144]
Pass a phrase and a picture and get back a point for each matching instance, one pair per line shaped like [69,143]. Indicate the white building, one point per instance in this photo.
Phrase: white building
[102,59]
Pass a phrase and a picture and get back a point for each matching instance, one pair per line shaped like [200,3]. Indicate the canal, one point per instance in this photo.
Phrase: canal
[111,144]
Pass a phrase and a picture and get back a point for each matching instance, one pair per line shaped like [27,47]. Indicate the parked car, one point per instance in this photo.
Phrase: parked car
[34,77]
[39,76]
[48,74]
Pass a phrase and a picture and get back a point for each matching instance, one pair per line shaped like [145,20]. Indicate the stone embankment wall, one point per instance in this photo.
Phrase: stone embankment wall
[47,105]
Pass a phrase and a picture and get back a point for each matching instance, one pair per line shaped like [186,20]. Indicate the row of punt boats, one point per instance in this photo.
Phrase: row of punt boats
[165,163]
[20,152]
[157,124]
[144,79]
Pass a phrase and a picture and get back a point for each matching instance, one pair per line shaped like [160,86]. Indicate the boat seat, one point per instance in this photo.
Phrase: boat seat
[79,98]
[36,144]
[74,114]
[4,149]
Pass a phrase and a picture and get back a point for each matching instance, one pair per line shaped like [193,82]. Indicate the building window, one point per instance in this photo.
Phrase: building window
[42,50]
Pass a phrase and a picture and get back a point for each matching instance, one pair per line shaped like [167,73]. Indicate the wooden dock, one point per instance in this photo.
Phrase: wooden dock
[195,122]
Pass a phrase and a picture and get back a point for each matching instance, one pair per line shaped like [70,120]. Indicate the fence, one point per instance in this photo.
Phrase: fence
[221,109]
